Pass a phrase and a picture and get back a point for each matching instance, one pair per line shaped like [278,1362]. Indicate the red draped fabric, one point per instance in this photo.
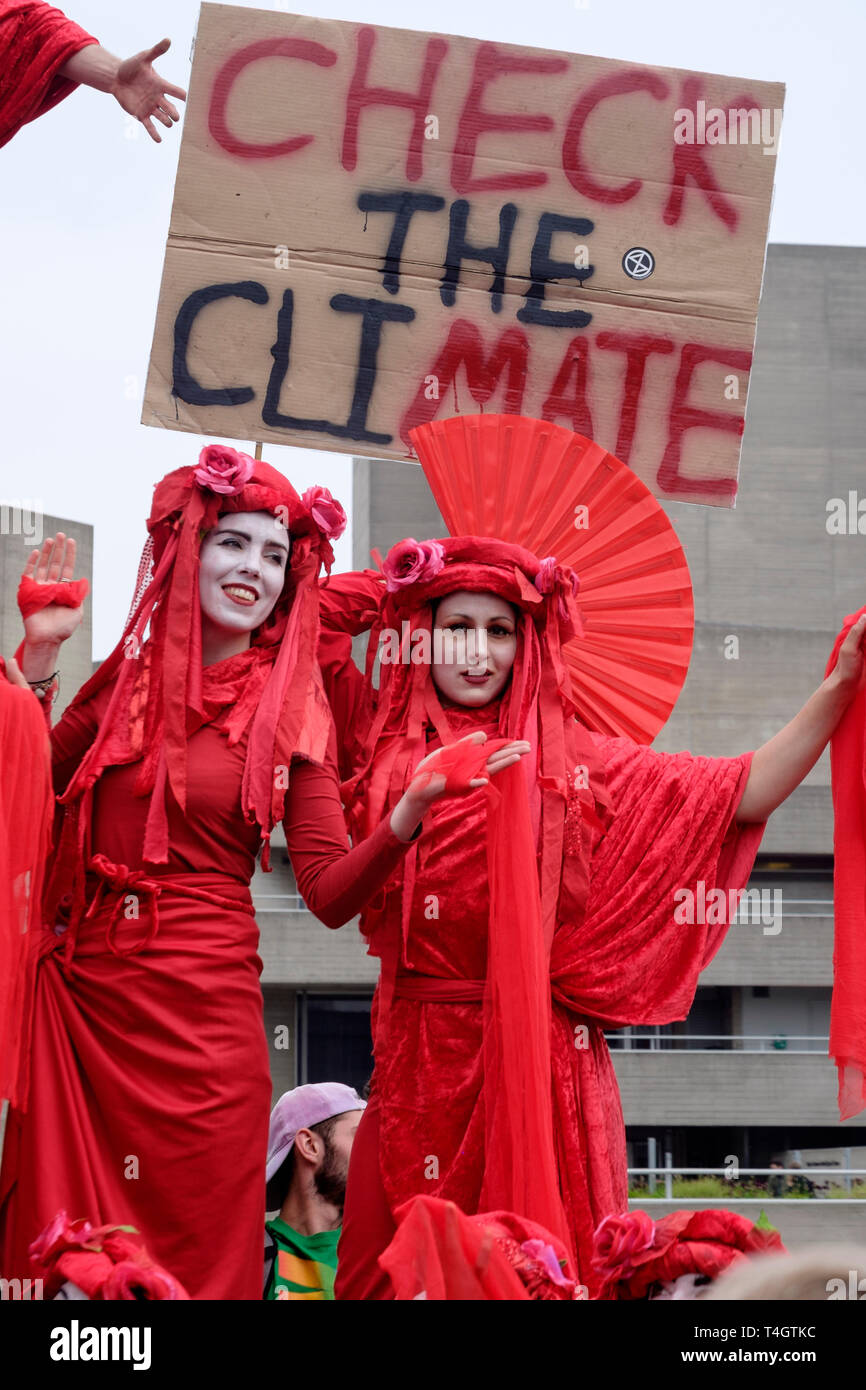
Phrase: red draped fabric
[624,959]
[35,41]
[150,1084]
[25,823]
[441,1253]
[848,1012]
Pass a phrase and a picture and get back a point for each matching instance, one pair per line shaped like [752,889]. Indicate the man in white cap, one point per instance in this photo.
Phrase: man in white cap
[310,1141]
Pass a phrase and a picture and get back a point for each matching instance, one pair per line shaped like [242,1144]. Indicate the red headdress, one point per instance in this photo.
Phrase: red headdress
[439,1252]
[161,694]
[633,1252]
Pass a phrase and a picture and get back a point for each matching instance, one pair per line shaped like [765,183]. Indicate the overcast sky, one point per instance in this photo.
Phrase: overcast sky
[85,212]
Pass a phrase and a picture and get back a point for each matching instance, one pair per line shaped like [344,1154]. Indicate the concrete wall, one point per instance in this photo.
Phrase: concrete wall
[800,1222]
[789,1012]
[801,953]
[728,1088]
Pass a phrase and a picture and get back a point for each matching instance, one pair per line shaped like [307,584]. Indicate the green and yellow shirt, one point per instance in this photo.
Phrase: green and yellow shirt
[305,1266]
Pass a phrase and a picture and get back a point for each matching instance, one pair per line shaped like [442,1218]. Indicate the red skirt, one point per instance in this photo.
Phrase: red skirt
[150,1088]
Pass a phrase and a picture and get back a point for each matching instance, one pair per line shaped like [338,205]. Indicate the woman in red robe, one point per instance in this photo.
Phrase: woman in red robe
[619,831]
[149,1090]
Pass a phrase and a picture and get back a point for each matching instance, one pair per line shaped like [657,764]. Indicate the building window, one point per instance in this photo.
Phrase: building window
[334,1038]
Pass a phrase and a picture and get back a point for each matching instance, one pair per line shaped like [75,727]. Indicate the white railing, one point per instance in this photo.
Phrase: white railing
[289,902]
[669,1172]
[788,903]
[629,1041]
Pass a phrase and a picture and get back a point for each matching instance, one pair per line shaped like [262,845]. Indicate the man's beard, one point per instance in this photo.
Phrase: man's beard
[331,1178]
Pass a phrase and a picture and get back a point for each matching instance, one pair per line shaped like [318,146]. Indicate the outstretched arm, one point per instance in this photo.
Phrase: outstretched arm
[132,82]
[781,764]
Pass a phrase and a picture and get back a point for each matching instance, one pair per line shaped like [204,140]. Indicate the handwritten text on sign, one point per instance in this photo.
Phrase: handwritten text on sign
[374,227]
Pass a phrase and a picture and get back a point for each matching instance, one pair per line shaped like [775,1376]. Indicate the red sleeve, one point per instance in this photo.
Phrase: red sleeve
[348,695]
[72,736]
[336,882]
[348,605]
[350,602]
[35,41]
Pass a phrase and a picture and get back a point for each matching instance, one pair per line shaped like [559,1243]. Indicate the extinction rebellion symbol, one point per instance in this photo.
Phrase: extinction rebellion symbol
[638,263]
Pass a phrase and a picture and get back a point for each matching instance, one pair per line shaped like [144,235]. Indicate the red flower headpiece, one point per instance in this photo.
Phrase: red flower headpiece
[633,1252]
[417,572]
[105,1262]
[441,1253]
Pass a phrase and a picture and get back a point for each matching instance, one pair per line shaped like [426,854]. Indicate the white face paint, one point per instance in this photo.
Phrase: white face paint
[478,649]
[686,1286]
[242,571]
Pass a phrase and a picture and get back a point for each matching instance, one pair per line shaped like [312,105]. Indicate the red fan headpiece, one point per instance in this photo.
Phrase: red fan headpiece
[633,1252]
[161,694]
[563,497]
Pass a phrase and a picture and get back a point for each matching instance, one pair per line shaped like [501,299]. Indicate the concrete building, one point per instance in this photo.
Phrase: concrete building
[23,527]
[747,1074]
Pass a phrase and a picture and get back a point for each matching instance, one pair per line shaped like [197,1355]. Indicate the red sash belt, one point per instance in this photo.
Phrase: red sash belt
[435,987]
[438,989]
[117,878]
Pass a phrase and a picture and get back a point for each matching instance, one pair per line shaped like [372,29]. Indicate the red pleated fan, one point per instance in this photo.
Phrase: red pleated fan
[555,492]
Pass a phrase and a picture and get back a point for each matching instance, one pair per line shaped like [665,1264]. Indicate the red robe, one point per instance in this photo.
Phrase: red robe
[25,825]
[150,1084]
[626,962]
[35,42]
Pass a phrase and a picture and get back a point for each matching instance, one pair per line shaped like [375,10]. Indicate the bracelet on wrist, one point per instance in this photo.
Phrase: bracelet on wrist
[42,688]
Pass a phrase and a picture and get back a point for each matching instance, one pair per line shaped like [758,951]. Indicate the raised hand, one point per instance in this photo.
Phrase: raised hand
[424,789]
[850,668]
[53,564]
[144,94]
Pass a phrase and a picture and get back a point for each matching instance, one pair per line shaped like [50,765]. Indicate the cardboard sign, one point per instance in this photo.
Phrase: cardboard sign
[374,227]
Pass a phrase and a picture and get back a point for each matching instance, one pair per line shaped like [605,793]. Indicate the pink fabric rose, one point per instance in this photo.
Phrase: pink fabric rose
[223,470]
[546,1256]
[411,562]
[550,573]
[619,1239]
[326,511]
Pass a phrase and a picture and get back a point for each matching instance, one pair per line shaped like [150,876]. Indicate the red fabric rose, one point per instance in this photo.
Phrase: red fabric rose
[684,1242]
[410,562]
[619,1239]
[326,511]
[223,470]
[130,1280]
